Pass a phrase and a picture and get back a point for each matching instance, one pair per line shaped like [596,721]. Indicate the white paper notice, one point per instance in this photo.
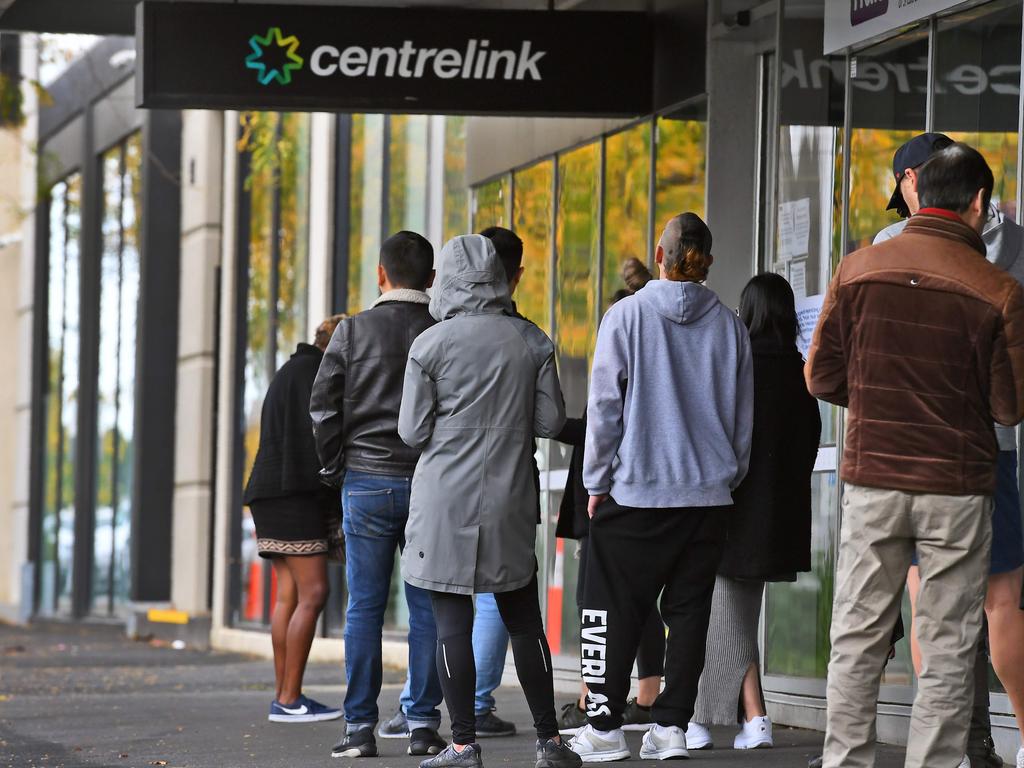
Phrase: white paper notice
[798,278]
[808,309]
[794,228]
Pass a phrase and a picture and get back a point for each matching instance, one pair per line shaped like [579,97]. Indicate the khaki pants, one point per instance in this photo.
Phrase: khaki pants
[880,531]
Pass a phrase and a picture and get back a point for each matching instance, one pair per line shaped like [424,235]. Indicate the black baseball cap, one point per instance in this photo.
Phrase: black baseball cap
[911,155]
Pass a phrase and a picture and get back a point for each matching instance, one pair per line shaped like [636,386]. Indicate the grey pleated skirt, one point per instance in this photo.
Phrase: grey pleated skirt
[732,648]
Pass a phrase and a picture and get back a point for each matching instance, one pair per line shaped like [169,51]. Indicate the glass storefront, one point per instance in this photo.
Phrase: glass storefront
[61,396]
[119,297]
[276,248]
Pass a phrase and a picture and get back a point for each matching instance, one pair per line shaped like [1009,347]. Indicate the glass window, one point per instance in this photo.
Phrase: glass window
[531,216]
[365,210]
[627,176]
[407,173]
[798,615]
[119,296]
[276,243]
[806,241]
[61,396]
[679,170]
[577,269]
[492,204]
[977,93]
[456,193]
[889,93]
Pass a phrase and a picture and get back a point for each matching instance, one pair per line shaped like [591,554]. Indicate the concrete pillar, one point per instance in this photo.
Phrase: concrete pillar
[202,154]
[321,219]
[18,593]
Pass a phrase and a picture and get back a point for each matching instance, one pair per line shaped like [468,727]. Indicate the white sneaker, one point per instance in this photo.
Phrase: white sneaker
[698,737]
[966,762]
[756,734]
[1020,758]
[664,743]
[594,748]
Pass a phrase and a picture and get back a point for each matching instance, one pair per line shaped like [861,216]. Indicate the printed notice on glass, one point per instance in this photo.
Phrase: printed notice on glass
[798,278]
[794,228]
[808,309]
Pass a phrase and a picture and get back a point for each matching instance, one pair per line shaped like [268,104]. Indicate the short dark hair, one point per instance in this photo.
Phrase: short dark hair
[951,179]
[767,307]
[509,248]
[408,260]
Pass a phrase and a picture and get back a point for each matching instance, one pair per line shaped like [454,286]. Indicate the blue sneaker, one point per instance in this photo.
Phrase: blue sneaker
[304,710]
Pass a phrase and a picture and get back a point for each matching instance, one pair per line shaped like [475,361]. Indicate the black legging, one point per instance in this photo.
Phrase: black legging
[520,611]
[650,654]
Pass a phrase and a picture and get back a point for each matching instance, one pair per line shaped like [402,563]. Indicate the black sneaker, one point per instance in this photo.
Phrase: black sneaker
[556,754]
[425,741]
[635,717]
[450,758]
[571,719]
[395,728]
[983,754]
[356,744]
[489,725]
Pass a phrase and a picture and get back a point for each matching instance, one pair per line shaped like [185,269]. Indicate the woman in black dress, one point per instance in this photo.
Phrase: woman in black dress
[297,521]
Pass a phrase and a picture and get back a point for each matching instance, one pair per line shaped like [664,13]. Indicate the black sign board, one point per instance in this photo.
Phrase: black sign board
[334,58]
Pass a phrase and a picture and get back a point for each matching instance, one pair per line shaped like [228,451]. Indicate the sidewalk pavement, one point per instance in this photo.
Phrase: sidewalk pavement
[74,696]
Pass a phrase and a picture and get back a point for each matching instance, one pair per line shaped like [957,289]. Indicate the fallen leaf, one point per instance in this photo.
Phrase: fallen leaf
[158,762]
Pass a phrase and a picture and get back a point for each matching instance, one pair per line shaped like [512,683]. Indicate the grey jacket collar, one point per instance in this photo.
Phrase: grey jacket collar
[402,294]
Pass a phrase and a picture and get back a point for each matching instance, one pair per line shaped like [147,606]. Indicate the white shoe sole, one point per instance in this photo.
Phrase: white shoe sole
[637,727]
[570,731]
[699,745]
[303,718]
[671,753]
[765,744]
[382,735]
[605,757]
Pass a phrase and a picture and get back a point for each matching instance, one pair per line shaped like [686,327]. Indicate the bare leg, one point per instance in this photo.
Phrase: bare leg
[913,584]
[310,575]
[648,690]
[1006,636]
[284,607]
[750,694]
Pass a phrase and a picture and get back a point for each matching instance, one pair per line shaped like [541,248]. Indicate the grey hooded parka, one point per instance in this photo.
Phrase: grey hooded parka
[478,387]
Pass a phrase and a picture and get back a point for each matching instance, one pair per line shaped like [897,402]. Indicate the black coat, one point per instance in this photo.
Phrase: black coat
[573,518]
[286,463]
[769,533]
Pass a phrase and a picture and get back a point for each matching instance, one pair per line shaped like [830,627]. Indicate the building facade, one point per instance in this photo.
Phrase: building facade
[171,261]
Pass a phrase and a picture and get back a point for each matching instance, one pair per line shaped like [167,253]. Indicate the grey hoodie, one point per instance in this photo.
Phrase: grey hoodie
[479,386]
[1005,241]
[671,405]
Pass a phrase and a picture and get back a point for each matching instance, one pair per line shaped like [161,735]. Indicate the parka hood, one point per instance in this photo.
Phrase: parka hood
[680,302]
[1005,241]
[470,279]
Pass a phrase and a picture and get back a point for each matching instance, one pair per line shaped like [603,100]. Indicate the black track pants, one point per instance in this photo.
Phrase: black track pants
[634,555]
[520,612]
[650,655]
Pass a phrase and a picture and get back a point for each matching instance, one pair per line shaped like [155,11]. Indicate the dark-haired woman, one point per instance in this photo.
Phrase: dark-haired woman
[769,535]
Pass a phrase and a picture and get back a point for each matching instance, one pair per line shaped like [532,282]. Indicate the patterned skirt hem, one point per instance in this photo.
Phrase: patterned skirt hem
[271,547]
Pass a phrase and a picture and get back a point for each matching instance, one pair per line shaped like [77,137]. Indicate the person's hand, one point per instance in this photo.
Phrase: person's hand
[595,502]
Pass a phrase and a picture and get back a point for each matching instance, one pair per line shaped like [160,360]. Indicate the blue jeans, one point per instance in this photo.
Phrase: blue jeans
[375,509]
[490,645]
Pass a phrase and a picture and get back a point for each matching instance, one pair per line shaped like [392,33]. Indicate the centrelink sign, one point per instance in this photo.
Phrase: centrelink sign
[850,22]
[334,58]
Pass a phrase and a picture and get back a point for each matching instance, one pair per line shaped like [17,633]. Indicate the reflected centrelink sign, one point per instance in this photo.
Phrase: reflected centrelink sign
[335,58]
[849,22]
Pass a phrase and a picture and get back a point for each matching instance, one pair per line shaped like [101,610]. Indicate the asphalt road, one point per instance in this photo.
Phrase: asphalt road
[74,696]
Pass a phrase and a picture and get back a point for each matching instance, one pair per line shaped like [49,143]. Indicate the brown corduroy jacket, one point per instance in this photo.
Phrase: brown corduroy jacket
[922,340]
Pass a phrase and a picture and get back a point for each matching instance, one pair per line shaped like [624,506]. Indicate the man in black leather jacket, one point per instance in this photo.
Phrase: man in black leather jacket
[354,406]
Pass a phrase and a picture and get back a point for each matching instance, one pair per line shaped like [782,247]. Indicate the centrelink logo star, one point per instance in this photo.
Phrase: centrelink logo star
[259,46]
